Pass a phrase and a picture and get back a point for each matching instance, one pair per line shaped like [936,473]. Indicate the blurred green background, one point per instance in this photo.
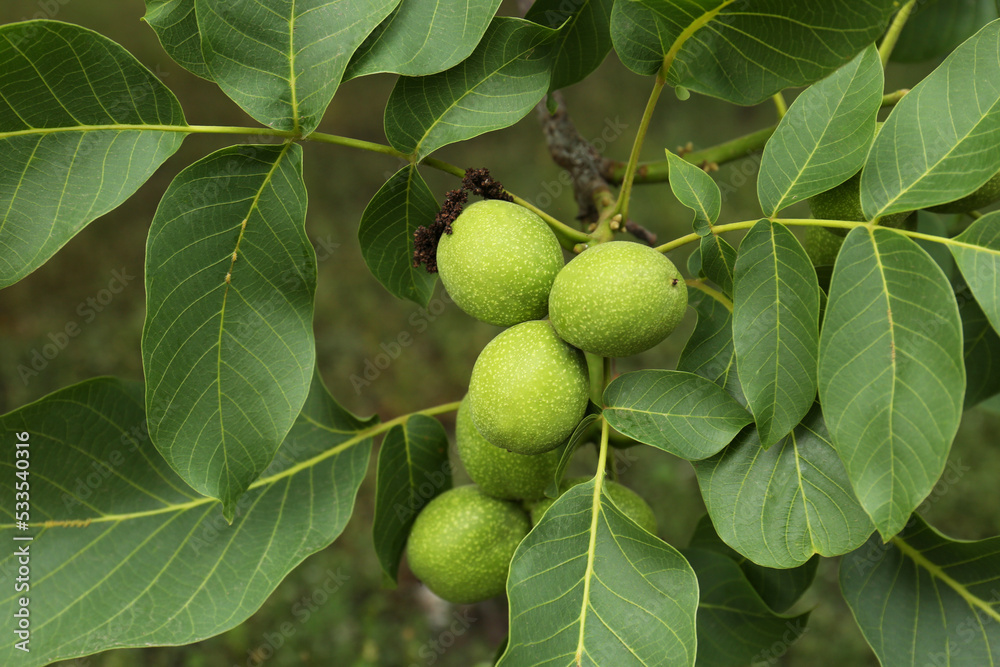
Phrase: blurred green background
[361,623]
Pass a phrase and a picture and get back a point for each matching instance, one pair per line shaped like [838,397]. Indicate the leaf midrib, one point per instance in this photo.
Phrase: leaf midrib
[359,437]
[595,510]
[892,394]
[113,127]
[294,102]
[666,414]
[222,316]
[938,572]
[688,32]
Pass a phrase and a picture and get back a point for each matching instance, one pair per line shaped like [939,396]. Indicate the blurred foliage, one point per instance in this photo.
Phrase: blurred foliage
[359,623]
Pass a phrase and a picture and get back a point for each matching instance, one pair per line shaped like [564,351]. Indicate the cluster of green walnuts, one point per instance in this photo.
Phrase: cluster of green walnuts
[530,385]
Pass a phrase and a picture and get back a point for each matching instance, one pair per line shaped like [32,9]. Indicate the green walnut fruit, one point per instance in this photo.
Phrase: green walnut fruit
[498,472]
[628,501]
[499,262]
[617,299]
[844,203]
[984,196]
[528,389]
[462,542]
[822,246]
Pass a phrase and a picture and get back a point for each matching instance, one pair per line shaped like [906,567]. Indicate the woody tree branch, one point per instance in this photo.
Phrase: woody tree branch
[584,163]
[576,155]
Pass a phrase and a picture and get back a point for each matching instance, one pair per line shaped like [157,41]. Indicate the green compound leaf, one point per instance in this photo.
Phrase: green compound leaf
[780,506]
[584,36]
[735,626]
[824,138]
[718,261]
[176,25]
[282,62]
[776,328]
[696,190]
[227,346]
[891,373]
[709,351]
[925,599]
[413,468]
[935,27]
[125,554]
[386,234]
[82,125]
[942,141]
[977,253]
[495,87]
[589,586]
[423,37]
[779,588]
[740,53]
[681,413]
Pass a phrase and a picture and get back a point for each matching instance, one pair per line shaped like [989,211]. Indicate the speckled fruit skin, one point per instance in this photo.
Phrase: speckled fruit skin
[528,389]
[844,203]
[499,262]
[462,542]
[617,299]
[988,193]
[822,246]
[628,501]
[500,473]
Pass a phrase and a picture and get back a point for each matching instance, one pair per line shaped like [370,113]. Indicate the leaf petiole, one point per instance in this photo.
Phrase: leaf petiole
[809,222]
[621,206]
[892,34]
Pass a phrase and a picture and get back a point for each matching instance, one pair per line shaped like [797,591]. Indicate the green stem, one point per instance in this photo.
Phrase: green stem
[734,149]
[361,435]
[893,98]
[441,165]
[747,224]
[679,241]
[780,106]
[812,222]
[658,171]
[234,129]
[596,370]
[640,136]
[715,294]
[568,236]
[892,34]
[324,138]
